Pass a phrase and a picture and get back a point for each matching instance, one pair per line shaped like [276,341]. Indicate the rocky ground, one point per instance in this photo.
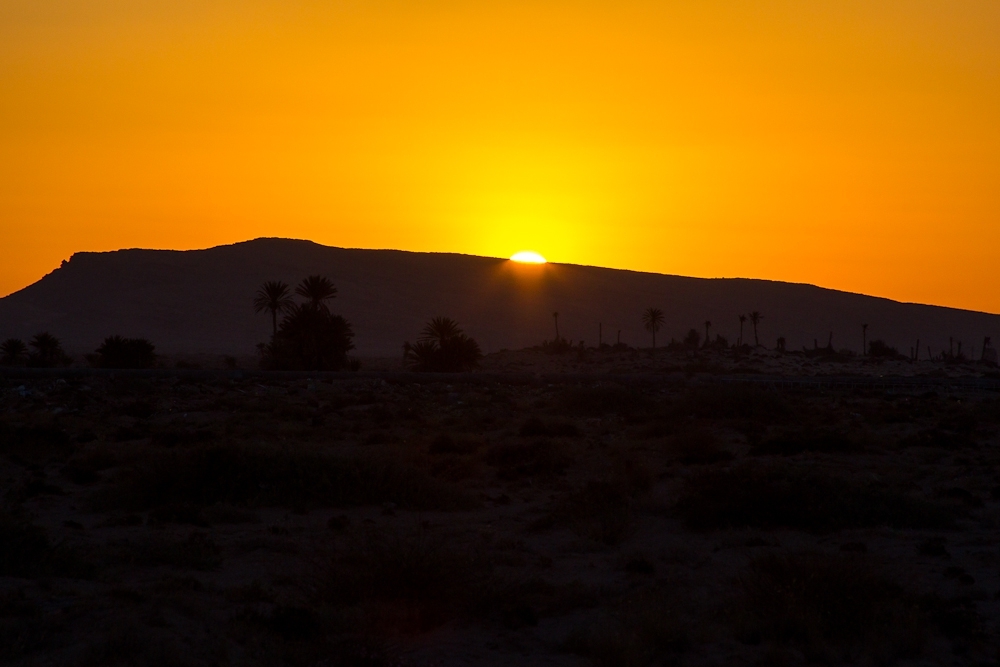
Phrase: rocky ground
[354,521]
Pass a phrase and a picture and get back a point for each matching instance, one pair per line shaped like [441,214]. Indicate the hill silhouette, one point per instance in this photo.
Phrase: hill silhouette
[201,301]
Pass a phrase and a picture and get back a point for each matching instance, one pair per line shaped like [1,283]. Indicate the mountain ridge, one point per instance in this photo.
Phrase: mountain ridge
[199,301]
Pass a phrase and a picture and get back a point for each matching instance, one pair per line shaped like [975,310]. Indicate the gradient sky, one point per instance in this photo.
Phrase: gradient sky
[854,145]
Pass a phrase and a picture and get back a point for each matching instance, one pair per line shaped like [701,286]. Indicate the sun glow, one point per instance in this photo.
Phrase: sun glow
[528,257]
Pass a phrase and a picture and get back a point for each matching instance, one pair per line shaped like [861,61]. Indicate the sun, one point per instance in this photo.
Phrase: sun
[528,257]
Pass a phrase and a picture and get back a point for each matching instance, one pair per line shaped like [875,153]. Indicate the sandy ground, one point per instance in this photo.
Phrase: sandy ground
[360,522]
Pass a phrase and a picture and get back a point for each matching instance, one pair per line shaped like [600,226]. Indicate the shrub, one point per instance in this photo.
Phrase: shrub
[537,428]
[419,581]
[118,352]
[266,477]
[770,497]
[310,338]
[833,608]
[807,440]
[735,401]
[47,352]
[25,550]
[13,352]
[442,348]
[882,350]
[606,399]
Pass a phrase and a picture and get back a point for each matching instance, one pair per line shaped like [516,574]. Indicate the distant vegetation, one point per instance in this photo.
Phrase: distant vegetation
[309,337]
[442,348]
[118,352]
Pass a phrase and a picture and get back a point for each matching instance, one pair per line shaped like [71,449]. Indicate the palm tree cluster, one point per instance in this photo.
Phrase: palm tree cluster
[45,352]
[442,348]
[118,352]
[309,336]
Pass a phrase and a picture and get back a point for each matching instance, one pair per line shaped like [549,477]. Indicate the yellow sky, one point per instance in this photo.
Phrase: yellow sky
[854,145]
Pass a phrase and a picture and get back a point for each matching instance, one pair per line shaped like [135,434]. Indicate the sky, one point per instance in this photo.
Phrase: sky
[853,145]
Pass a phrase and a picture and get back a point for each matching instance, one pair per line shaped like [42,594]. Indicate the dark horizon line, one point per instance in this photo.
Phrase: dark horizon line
[506,259]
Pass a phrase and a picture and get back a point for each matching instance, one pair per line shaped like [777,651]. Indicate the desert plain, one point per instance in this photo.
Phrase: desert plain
[591,508]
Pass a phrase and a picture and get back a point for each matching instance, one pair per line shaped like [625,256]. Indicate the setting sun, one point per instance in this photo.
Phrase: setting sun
[528,257]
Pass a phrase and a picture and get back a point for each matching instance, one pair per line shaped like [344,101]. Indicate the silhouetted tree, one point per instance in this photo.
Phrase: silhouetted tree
[743,319]
[755,319]
[442,348]
[13,352]
[310,338]
[48,352]
[555,316]
[317,290]
[118,352]
[864,340]
[652,320]
[708,325]
[273,296]
[880,349]
[692,339]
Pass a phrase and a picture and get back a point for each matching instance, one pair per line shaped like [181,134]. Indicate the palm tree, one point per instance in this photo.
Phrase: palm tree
[12,351]
[652,320]
[48,351]
[440,329]
[555,316]
[316,290]
[755,319]
[273,296]
[864,340]
[708,325]
[743,318]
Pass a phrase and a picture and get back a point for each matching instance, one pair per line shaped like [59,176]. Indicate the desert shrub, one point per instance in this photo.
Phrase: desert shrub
[879,349]
[697,447]
[47,352]
[949,435]
[419,581]
[535,427]
[442,348]
[196,552]
[310,338]
[606,399]
[767,497]
[835,608]
[13,352]
[646,627]
[24,627]
[603,509]
[34,443]
[795,442]
[540,458]
[736,401]
[26,551]
[118,352]
[268,477]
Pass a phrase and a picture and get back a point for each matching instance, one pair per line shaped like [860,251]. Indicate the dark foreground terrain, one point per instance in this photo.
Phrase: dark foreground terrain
[169,521]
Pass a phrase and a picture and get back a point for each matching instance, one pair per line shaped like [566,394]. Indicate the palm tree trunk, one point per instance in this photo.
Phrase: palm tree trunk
[274,323]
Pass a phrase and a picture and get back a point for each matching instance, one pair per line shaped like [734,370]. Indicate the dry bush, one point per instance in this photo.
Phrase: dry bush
[606,399]
[737,402]
[797,441]
[26,551]
[647,627]
[792,497]
[834,608]
[196,552]
[535,427]
[603,509]
[697,447]
[409,581]
[540,458]
[259,475]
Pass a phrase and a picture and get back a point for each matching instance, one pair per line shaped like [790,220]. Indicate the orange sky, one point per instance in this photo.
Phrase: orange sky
[854,145]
